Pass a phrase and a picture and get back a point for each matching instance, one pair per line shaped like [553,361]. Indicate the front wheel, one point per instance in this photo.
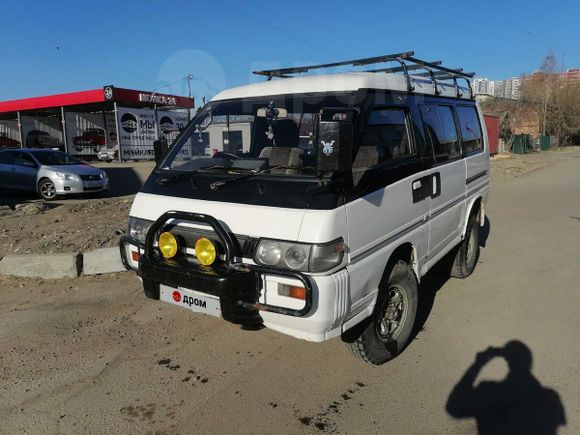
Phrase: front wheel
[388,330]
[47,190]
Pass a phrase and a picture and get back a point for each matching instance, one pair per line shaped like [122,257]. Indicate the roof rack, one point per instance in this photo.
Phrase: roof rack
[406,63]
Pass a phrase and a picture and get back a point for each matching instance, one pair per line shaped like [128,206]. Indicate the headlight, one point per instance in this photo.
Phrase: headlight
[65,176]
[313,258]
[137,228]
[269,252]
[296,257]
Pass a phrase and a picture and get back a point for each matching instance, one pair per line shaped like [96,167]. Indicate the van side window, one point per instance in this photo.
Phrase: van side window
[383,139]
[441,131]
[470,128]
[387,131]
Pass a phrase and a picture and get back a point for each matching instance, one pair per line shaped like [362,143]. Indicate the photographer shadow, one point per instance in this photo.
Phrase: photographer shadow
[518,404]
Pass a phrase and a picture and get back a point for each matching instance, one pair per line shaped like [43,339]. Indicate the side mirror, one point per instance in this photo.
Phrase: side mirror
[160,147]
[335,146]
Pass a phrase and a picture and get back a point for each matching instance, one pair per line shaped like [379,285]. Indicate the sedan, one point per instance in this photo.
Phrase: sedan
[49,173]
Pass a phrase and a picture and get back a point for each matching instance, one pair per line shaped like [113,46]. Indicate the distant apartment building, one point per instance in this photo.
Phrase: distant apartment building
[509,89]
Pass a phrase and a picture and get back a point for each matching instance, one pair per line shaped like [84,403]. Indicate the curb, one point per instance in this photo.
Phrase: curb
[68,265]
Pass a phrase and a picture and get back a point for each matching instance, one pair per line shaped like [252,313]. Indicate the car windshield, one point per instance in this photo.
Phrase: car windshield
[55,158]
[275,132]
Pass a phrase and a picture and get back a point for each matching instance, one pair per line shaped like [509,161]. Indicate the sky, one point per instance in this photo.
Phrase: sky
[62,46]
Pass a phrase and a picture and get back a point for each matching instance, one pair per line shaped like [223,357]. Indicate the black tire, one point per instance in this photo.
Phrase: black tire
[47,190]
[467,253]
[381,341]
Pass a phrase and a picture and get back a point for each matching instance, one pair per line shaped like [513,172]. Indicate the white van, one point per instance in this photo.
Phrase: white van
[320,217]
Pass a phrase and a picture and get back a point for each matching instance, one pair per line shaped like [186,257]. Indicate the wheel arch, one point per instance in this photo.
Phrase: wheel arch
[474,206]
[405,252]
[41,179]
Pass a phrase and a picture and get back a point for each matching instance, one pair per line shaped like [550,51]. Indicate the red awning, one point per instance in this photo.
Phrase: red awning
[119,95]
[59,100]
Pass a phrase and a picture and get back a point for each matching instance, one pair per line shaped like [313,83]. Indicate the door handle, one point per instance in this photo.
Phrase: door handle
[417,185]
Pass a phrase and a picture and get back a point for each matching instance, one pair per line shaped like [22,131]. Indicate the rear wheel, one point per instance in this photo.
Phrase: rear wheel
[46,189]
[468,251]
[388,330]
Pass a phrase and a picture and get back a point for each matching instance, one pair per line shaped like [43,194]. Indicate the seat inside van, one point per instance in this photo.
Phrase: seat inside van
[285,151]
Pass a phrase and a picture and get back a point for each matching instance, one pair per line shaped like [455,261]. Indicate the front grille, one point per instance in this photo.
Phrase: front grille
[90,177]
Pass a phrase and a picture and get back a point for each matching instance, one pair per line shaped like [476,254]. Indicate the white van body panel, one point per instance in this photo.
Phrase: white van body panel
[446,211]
[249,220]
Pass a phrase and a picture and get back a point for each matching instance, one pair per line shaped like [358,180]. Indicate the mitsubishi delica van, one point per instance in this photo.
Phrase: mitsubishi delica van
[314,204]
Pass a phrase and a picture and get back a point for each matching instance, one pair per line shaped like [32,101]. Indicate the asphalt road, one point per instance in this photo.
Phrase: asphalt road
[95,356]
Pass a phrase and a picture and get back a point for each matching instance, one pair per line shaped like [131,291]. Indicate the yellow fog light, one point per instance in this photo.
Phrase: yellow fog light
[168,245]
[205,251]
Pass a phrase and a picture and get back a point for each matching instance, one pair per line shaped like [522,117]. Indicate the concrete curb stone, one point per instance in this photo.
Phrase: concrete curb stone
[42,265]
[103,260]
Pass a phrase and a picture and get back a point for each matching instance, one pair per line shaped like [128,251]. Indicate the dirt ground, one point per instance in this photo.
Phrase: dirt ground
[38,227]
[80,225]
[94,355]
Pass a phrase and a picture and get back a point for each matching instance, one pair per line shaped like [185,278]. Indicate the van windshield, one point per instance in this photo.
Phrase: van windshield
[273,135]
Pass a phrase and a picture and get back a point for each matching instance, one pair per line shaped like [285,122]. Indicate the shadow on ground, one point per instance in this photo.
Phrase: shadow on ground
[517,404]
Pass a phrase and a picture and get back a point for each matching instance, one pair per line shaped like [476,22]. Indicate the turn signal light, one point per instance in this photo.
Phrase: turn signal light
[135,256]
[205,251]
[168,245]
[292,291]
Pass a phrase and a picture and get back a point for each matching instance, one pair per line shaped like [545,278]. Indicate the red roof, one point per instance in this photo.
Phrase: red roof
[119,95]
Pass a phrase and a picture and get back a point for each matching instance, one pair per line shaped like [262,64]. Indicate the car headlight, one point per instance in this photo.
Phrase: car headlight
[303,257]
[138,228]
[65,176]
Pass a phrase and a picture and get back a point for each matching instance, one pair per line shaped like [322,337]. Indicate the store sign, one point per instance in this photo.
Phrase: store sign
[137,132]
[42,132]
[139,128]
[88,133]
[171,123]
[163,100]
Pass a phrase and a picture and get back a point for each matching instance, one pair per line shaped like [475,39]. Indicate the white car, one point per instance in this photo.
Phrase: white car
[108,154]
[325,241]
[49,173]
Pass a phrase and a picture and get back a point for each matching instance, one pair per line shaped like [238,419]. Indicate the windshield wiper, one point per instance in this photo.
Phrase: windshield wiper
[169,179]
[252,173]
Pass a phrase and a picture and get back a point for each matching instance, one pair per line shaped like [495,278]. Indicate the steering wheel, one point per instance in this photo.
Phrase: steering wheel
[229,156]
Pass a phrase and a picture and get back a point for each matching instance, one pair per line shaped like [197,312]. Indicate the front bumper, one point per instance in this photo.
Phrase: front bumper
[237,285]
[68,187]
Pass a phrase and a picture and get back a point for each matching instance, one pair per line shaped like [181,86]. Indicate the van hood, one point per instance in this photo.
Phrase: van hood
[242,219]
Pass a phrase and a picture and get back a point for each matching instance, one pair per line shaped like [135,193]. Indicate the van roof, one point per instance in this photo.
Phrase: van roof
[344,82]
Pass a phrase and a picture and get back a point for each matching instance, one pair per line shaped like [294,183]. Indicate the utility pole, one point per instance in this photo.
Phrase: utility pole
[188,78]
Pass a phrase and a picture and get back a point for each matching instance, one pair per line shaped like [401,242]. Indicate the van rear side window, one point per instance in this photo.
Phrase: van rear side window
[470,128]
[387,131]
[441,131]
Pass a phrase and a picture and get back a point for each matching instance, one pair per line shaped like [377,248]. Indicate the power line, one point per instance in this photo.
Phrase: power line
[187,77]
